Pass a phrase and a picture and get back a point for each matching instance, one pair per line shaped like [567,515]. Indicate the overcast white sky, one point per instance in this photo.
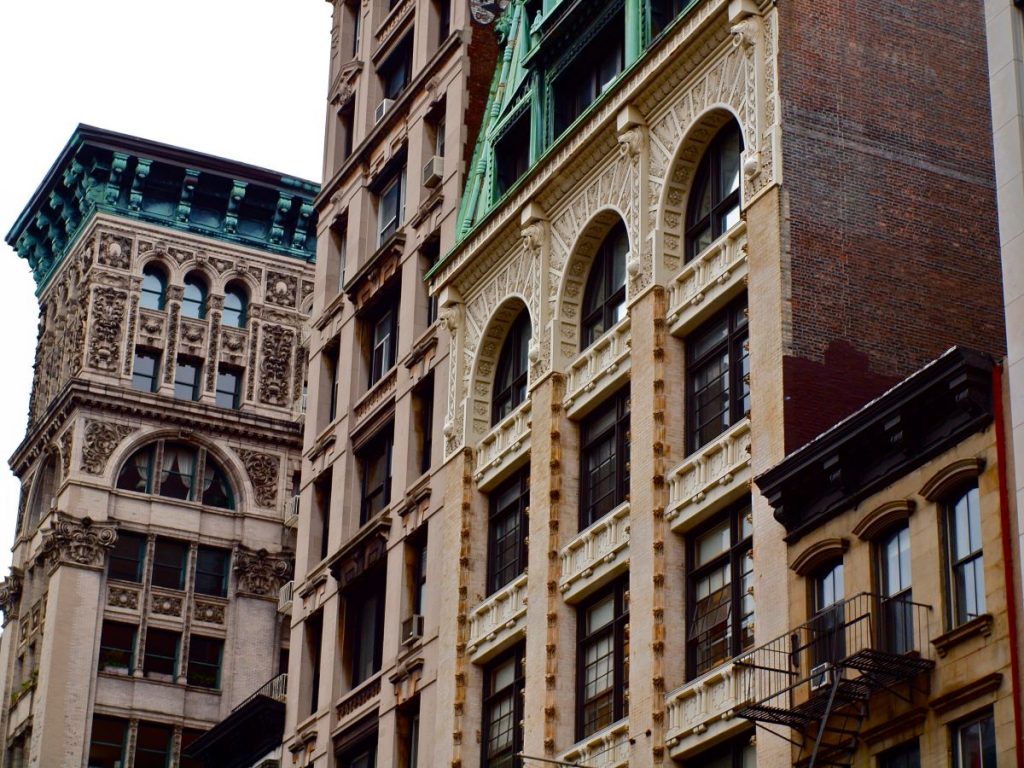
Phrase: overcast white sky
[244,79]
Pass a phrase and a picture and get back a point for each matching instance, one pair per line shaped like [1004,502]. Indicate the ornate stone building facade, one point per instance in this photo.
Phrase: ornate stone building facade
[162,452]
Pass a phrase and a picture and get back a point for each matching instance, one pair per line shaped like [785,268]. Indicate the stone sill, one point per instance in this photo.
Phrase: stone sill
[978,626]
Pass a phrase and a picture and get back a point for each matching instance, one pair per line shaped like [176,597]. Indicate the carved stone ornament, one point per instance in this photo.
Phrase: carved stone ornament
[10,595]
[261,573]
[263,470]
[275,366]
[166,605]
[115,251]
[281,289]
[211,613]
[77,542]
[121,597]
[107,318]
[101,439]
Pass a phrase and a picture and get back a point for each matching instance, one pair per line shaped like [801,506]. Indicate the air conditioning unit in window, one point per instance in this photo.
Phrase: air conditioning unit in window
[433,171]
[412,629]
[821,676]
[291,519]
[382,109]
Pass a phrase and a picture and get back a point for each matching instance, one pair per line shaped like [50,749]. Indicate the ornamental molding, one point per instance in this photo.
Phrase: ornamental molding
[106,328]
[101,439]
[263,470]
[260,572]
[276,364]
[10,594]
[79,542]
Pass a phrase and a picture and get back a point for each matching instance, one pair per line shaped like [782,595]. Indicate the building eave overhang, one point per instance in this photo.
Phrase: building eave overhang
[918,419]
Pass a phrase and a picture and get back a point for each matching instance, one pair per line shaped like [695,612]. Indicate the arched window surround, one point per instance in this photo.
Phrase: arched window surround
[511,375]
[604,298]
[153,294]
[180,470]
[236,304]
[195,298]
[713,205]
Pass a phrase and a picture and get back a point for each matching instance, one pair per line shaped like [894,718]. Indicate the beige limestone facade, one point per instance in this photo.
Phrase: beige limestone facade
[162,452]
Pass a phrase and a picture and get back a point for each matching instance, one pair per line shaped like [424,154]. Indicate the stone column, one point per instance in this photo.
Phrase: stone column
[75,554]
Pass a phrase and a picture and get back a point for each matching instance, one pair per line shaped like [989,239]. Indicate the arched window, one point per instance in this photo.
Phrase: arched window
[186,472]
[894,583]
[43,492]
[194,302]
[604,300]
[154,287]
[714,205]
[513,369]
[236,305]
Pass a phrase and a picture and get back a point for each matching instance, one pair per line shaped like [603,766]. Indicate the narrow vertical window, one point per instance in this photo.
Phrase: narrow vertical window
[204,660]
[513,370]
[236,304]
[375,463]
[211,577]
[894,578]
[604,459]
[390,204]
[974,742]
[504,686]
[507,530]
[154,288]
[153,746]
[603,661]
[169,558]
[229,387]
[193,303]
[966,564]
[714,205]
[117,647]
[187,376]
[126,557]
[107,743]
[604,300]
[382,356]
[161,657]
[146,371]
[828,624]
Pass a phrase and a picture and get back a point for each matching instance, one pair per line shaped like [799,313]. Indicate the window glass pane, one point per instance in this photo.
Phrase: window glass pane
[161,657]
[186,380]
[125,560]
[216,489]
[227,388]
[204,658]
[188,738]
[212,571]
[193,303]
[145,374]
[178,471]
[106,747]
[136,474]
[601,614]
[117,643]
[234,308]
[169,563]
[713,543]
[153,286]
[153,746]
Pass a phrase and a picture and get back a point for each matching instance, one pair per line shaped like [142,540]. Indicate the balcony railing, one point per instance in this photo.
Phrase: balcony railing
[599,362]
[275,688]
[709,279]
[707,702]
[711,477]
[498,616]
[601,547]
[605,749]
[507,439]
[863,644]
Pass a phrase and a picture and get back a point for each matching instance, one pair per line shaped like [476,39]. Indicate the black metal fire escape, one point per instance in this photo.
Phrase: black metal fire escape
[818,679]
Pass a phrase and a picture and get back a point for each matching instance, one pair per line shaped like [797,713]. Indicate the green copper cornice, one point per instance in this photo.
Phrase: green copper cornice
[102,171]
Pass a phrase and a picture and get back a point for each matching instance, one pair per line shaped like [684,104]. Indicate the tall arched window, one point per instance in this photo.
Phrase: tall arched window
[43,492]
[513,369]
[177,470]
[714,205]
[194,302]
[236,305]
[154,287]
[604,300]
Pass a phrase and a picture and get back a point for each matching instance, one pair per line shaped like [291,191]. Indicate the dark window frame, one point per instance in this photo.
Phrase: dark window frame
[709,172]
[191,306]
[163,551]
[897,612]
[113,723]
[985,722]
[114,655]
[827,596]
[905,755]
[147,756]
[734,348]
[972,563]
[395,72]
[155,300]
[374,499]
[495,700]
[512,372]
[203,572]
[618,629]
[499,572]
[199,670]
[382,326]
[599,315]
[146,382]
[362,664]
[161,659]
[512,152]
[185,388]
[591,442]
[235,317]
[737,559]
[230,398]
[116,556]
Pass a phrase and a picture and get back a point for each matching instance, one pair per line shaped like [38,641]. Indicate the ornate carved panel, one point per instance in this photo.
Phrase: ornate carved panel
[263,470]
[107,326]
[124,598]
[208,612]
[115,250]
[282,289]
[276,364]
[101,438]
[261,573]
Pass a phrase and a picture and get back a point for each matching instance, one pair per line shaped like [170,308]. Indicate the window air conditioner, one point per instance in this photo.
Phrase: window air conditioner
[382,109]
[412,629]
[821,676]
[433,171]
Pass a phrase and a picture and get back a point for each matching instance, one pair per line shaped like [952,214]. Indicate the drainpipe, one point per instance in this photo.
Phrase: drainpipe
[1008,561]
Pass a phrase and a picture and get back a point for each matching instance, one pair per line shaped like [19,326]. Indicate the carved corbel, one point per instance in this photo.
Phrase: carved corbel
[10,595]
[80,542]
[261,573]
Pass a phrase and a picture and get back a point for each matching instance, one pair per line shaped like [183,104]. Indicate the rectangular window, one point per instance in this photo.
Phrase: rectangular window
[106,745]
[390,207]
[409,735]
[512,154]
[394,73]
[507,530]
[828,624]
[604,459]
[169,563]
[322,512]
[904,756]
[126,557]
[146,372]
[384,342]
[720,589]
[212,571]
[314,643]
[375,466]
[504,685]
[186,378]
[738,752]
[966,564]
[360,754]
[416,568]
[590,74]
[229,387]
[430,252]
[364,626]
[974,742]
[188,738]
[423,413]
[717,370]
[117,646]
[161,657]
[153,746]
[204,660]
[602,676]
[331,379]
[444,20]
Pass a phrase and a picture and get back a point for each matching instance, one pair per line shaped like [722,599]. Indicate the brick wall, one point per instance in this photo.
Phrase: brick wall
[888,169]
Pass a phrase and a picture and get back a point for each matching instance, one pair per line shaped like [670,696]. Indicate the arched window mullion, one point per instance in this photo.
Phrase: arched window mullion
[603,289]
[156,468]
[724,148]
[511,373]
